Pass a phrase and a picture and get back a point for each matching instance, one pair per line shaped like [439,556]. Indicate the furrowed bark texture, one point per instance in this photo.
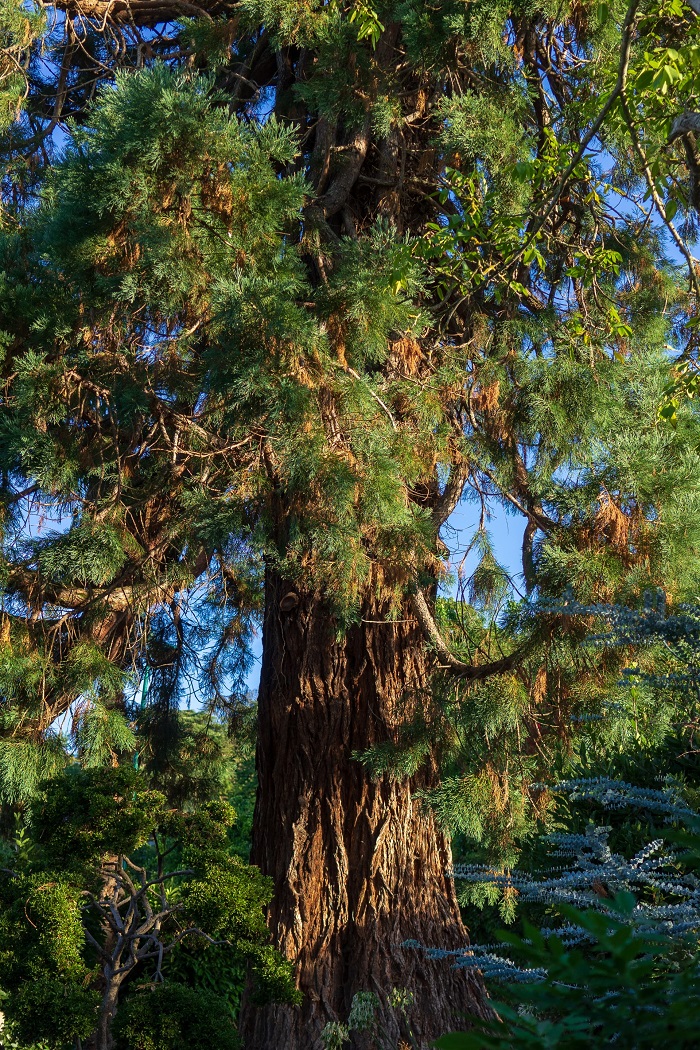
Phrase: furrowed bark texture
[358,864]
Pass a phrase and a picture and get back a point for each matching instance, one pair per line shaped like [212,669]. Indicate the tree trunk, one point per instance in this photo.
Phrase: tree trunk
[358,864]
[108,1009]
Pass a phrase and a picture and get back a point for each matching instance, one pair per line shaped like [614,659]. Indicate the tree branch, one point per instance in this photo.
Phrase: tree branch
[96,945]
[469,672]
[653,192]
[140,12]
[451,494]
[623,66]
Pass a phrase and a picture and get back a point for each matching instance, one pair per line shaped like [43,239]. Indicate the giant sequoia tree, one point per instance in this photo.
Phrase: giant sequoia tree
[291,281]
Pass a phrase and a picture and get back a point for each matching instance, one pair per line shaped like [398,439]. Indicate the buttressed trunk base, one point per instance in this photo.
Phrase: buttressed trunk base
[358,864]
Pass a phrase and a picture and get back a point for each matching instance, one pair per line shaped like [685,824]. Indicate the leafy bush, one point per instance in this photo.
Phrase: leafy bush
[174,1017]
[633,992]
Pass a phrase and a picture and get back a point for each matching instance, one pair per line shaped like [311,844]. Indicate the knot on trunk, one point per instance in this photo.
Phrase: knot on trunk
[289,602]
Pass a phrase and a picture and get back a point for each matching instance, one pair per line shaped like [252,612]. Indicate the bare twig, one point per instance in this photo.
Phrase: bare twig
[654,194]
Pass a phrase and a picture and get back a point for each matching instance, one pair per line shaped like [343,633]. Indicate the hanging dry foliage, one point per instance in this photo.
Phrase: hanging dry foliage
[406,356]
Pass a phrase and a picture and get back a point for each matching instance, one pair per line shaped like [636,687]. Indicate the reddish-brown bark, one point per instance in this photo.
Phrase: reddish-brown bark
[359,865]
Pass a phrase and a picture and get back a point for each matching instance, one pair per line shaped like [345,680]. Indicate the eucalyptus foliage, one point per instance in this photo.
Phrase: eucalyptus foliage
[619,967]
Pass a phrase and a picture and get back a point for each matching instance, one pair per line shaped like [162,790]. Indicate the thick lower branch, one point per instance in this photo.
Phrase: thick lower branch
[470,672]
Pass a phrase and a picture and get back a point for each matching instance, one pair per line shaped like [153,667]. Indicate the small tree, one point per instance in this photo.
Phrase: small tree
[113,882]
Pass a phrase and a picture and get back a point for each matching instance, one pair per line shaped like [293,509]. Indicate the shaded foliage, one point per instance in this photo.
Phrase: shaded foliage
[108,883]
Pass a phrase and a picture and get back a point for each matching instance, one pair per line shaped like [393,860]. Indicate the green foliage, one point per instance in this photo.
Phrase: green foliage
[684,385]
[52,1012]
[100,841]
[633,992]
[198,762]
[363,1019]
[41,949]
[243,800]
[210,968]
[89,553]
[175,1017]
[88,813]
[224,897]
[24,765]
[20,26]
[485,132]
[368,25]
[102,734]
[195,340]
[499,737]
[634,725]
[622,968]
